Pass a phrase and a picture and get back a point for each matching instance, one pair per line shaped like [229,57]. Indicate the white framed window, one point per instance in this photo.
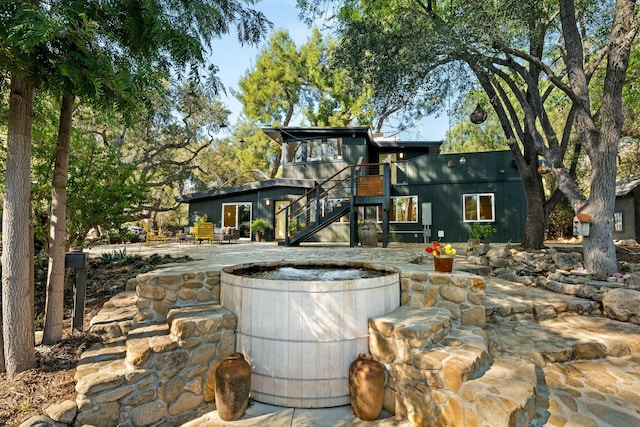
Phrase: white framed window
[479,207]
[401,209]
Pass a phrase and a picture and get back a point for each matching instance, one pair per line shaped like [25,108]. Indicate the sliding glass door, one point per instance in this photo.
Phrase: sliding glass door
[237,215]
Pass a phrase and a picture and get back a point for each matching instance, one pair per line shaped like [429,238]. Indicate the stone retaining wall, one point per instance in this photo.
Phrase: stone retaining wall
[434,346]
[160,292]
[160,354]
[161,372]
[462,294]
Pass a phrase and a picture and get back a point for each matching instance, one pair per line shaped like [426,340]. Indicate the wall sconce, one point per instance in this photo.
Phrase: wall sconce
[450,164]
[462,160]
[402,155]
[267,202]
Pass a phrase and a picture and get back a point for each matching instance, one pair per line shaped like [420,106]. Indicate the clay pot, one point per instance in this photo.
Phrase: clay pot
[233,382]
[443,264]
[366,387]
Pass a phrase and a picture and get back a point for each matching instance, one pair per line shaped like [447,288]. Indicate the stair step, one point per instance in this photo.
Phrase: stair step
[504,396]
[410,328]
[187,321]
[460,357]
[515,301]
[568,337]
[116,318]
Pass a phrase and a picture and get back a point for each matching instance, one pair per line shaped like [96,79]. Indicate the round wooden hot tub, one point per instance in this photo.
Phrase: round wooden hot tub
[301,333]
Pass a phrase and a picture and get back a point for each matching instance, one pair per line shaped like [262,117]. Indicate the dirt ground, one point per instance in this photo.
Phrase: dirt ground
[29,392]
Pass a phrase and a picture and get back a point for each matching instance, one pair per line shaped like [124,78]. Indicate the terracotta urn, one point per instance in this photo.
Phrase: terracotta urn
[443,264]
[233,382]
[366,387]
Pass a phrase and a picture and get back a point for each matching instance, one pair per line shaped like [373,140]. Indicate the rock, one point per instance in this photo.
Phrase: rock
[567,261]
[148,413]
[626,242]
[500,271]
[63,412]
[623,305]
[509,276]
[41,421]
[633,279]
[499,262]
[498,252]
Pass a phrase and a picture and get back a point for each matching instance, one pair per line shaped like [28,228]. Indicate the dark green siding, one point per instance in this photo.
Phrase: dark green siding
[212,207]
[434,182]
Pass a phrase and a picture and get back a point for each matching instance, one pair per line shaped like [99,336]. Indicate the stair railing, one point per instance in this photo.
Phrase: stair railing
[313,206]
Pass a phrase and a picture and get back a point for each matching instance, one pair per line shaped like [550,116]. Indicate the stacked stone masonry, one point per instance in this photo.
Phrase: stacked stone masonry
[163,343]
[437,357]
[161,346]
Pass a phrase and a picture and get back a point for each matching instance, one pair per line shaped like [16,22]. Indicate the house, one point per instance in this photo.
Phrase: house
[626,213]
[333,177]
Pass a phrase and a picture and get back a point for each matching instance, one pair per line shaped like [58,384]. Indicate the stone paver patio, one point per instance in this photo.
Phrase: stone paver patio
[587,366]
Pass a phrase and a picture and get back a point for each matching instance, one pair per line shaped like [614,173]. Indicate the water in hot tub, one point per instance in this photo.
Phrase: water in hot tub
[321,274]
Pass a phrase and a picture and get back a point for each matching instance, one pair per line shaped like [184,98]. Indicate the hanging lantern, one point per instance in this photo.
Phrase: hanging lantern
[478,115]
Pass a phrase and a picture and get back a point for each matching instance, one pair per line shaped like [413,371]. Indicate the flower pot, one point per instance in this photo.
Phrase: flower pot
[443,264]
[366,387]
[233,382]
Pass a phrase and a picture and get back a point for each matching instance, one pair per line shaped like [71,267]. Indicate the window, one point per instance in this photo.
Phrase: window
[617,221]
[402,209]
[295,151]
[478,207]
[313,150]
[334,148]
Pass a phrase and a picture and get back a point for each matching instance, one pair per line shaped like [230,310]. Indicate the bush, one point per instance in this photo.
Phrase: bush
[259,226]
[481,231]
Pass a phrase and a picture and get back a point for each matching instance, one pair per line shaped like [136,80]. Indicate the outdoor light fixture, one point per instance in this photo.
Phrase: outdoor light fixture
[267,202]
[450,164]
[462,160]
[402,155]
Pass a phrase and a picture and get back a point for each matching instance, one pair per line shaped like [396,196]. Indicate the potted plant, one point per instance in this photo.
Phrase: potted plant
[293,226]
[442,256]
[259,227]
[480,233]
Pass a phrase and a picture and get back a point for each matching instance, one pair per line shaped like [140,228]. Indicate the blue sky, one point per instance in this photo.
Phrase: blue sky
[234,60]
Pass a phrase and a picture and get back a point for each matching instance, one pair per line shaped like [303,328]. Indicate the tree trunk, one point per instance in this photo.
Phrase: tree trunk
[599,250]
[536,220]
[600,141]
[17,286]
[54,309]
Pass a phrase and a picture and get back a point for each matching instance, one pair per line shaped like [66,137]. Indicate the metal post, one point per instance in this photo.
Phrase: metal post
[78,262]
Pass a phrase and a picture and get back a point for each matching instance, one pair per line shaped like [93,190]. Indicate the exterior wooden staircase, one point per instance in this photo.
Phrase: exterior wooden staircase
[337,196]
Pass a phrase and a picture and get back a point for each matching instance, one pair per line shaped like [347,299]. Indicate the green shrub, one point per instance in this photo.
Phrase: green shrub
[481,231]
[259,226]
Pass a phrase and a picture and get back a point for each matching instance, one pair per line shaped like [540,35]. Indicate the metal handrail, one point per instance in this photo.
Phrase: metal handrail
[314,189]
[342,190]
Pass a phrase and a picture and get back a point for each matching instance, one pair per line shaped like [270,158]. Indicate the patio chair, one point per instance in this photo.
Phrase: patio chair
[203,231]
[153,235]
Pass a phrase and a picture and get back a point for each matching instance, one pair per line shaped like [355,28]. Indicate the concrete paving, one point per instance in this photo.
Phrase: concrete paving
[588,366]
[260,415]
